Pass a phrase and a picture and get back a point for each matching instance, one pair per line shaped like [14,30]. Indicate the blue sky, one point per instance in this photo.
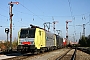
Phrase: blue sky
[46,11]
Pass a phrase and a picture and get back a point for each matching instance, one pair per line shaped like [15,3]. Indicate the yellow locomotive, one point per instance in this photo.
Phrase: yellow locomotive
[36,39]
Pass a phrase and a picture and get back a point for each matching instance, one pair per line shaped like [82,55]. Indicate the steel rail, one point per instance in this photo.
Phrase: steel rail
[60,57]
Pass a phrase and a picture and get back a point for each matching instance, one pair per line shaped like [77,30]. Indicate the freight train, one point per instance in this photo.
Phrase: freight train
[36,39]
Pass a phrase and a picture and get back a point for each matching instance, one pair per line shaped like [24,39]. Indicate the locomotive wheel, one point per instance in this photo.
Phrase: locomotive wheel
[32,51]
[37,51]
[42,51]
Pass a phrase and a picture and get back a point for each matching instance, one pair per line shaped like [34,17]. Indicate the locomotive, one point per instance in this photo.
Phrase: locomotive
[36,39]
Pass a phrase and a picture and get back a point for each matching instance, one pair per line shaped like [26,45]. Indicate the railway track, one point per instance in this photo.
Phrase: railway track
[60,54]
[69,55]
[40,56]
[80,55]
[84,49]
[18,56]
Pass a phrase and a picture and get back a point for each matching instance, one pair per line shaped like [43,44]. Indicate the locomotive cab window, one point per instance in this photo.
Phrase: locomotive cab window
[23,33]
[27,33]
[32,33]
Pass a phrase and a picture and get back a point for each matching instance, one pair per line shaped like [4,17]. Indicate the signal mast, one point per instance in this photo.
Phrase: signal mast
[10,13]
[67,28]
[54,22]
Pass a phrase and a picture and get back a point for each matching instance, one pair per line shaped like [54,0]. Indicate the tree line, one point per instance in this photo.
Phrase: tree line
[84,41]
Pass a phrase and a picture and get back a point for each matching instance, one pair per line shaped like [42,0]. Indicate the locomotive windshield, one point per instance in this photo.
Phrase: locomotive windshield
[27,33]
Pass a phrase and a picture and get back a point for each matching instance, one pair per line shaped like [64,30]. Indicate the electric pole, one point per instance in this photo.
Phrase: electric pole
[10,13]
[84,30]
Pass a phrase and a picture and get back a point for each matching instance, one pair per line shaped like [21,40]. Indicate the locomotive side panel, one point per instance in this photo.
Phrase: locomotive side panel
[39,38]
[59,41]
[50,39]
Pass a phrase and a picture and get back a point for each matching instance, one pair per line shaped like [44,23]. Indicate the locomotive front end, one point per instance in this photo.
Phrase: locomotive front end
[26,39]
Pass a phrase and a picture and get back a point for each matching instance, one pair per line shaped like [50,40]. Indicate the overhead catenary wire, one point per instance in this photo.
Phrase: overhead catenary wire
[70,9]
[47,15]
[31,11]
[3,16]
[4,11]
[73,18]
[53,15]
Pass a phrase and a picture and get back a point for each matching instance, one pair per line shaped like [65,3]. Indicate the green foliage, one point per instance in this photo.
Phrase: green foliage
[88,41]
[85,41]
